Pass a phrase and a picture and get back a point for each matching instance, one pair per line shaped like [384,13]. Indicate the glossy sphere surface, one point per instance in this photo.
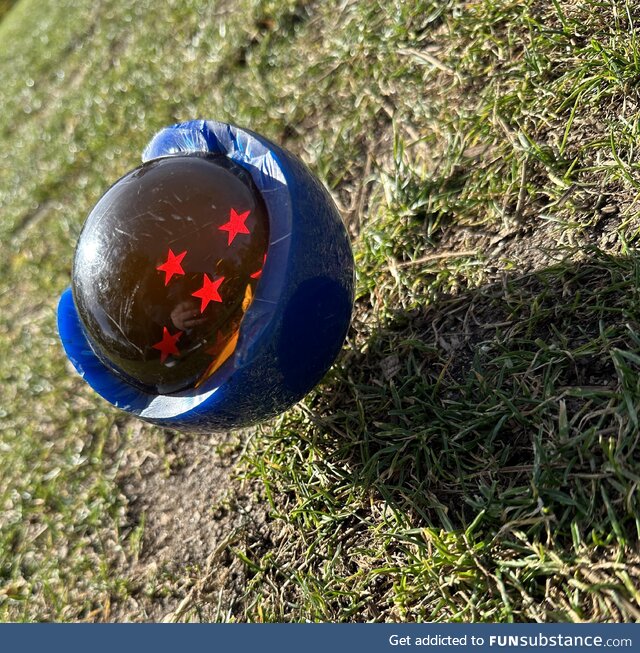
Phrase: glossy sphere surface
[167,265]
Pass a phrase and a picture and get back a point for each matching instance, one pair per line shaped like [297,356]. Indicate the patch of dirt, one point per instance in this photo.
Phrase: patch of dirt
[191,512]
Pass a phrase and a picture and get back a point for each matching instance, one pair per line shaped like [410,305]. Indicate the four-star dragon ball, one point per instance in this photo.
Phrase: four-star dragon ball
[212,287]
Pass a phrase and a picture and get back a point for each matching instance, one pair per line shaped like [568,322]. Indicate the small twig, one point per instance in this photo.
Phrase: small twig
[425,57]
[188,601]
[522,193]
[436,257]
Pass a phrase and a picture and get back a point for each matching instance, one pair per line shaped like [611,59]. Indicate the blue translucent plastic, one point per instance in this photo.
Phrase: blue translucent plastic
[297,322]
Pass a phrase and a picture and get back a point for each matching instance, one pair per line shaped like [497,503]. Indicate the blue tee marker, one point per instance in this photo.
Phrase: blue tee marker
[213,286]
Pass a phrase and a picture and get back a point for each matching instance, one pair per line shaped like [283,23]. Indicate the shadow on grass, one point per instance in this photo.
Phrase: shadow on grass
[513,406]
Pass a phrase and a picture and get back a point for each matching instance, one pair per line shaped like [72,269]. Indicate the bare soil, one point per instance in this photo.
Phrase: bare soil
[192,511]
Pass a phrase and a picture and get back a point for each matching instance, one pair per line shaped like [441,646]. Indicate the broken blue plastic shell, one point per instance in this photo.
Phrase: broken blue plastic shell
[295,326]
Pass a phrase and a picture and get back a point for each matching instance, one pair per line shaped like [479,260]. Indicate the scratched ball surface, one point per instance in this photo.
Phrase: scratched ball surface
[166,266]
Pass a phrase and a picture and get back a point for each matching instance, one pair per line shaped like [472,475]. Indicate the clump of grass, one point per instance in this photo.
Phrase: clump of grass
[496,422]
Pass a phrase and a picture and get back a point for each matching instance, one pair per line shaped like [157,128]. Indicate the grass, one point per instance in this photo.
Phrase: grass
[496,471]
[473,455]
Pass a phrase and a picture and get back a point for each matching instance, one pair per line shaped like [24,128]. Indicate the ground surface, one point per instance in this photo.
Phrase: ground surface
[473,455]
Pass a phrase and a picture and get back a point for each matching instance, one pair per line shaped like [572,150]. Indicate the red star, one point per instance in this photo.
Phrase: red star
[256,275]
[172,265]
[209,292]
[168,344]
[236,224]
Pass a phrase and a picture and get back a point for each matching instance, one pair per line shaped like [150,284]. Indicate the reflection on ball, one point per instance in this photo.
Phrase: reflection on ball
[167,265]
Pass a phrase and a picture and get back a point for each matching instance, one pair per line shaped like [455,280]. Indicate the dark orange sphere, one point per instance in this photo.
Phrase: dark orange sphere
[167,265]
